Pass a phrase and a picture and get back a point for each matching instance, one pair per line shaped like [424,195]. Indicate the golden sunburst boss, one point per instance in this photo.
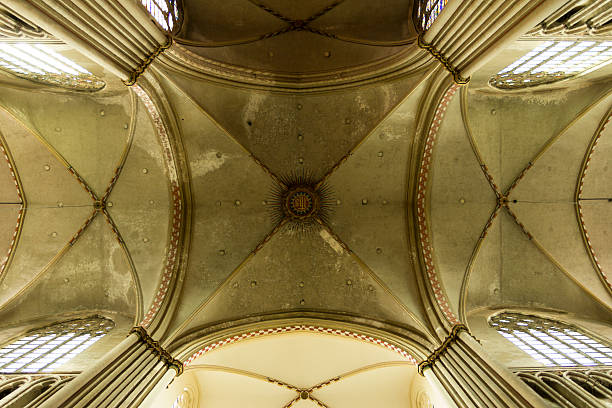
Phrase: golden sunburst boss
[300,200]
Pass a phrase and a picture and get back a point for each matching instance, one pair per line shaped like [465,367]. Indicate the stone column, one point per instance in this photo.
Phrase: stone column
[122,378]
[471,379]
[469,33]
[118,35]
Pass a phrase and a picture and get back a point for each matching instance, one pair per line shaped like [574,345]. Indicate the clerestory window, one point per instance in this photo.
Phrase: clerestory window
[47,349]
[428,11]
[40,63]
[550,342]
[553,61]
[165,12]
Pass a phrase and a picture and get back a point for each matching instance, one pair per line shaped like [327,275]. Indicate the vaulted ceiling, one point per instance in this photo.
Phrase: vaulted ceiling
[298,42]
[89,207]
[503,207]
[85,203]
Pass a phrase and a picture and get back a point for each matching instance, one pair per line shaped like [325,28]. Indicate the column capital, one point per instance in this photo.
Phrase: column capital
[448,341]
[454,71]
[154,345]
[137,73]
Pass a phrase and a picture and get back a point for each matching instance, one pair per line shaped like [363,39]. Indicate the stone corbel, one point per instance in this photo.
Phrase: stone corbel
[448,341]
[163,355]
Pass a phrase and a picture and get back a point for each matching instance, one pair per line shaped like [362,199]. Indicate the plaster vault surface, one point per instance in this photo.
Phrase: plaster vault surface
[343,180]
[240,145]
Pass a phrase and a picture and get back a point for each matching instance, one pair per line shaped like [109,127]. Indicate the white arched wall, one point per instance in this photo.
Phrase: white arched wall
[270,367]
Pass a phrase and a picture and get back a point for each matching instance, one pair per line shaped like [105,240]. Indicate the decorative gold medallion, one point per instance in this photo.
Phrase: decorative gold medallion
[301,202]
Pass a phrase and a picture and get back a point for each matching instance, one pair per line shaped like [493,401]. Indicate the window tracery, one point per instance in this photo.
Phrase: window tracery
[428,11]
[40,63]
[550,342]
[165,12]
[31,390]
[553,61]
[46,349]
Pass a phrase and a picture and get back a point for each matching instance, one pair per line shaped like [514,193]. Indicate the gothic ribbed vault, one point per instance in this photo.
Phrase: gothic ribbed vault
[434,203]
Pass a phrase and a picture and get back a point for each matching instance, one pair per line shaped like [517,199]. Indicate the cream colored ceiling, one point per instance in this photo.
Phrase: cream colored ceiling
[272,370]
[534,255]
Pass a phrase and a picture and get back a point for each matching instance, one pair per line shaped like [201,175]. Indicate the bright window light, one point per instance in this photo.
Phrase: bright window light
[428,11]
[40,63]
[49,348]
[165,12]
[550,342]
[553,61]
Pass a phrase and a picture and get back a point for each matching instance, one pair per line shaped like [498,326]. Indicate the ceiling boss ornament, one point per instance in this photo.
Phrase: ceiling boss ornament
[300,201]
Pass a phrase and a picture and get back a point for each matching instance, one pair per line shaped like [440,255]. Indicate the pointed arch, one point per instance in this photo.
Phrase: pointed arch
[551,342]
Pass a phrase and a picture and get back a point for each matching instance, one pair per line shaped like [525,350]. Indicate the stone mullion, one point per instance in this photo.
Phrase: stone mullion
[531,346]
[562,51]
[552,393]
[572,392]
[53,349]
[20,370]
[544,61]
[548,333]
[17,348]
[584,344]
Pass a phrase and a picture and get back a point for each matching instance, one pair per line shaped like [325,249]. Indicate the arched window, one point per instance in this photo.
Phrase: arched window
[553,61]
[428,11]
[165,12]
[46,349]
[550,342]
[40,63]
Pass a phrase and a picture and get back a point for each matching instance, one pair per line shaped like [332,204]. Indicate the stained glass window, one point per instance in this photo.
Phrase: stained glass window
[550,342]
[40,63]
[553,61]
[45,350]
[165,12]
[428,11]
